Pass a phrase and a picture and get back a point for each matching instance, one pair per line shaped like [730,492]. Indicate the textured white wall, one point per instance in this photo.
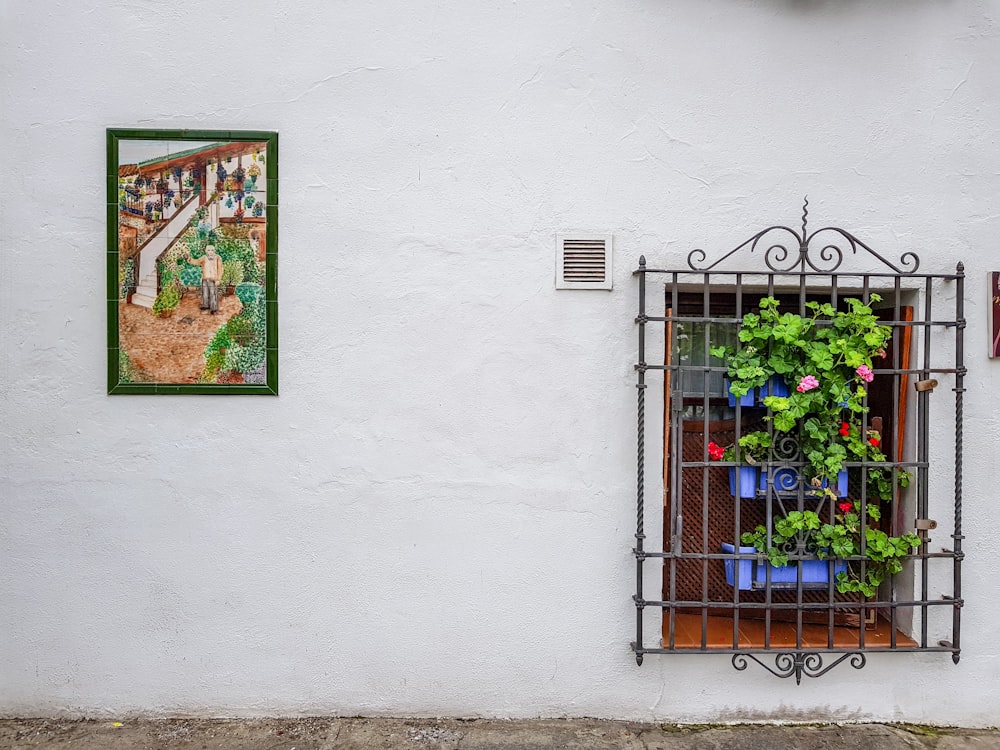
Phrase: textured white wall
[435,516]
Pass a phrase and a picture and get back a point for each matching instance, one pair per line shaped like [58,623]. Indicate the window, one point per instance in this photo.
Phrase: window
[830,602]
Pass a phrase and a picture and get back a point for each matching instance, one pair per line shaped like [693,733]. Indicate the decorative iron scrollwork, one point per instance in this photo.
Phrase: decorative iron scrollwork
[786,250]
[799,663]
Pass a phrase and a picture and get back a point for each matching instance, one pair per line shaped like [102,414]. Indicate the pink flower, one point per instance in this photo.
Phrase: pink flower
[845,506]
[807,384]
[865,373]
[715,451]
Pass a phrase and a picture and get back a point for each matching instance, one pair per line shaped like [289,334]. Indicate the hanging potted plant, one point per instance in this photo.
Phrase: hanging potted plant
[801,539]
[745,456]
[828,356]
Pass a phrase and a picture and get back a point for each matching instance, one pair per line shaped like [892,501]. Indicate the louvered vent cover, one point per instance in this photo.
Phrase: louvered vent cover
[583,261]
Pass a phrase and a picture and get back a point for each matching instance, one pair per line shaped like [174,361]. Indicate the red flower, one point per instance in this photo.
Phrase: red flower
[715,451]
[845,429]
[875,441]
[845,506]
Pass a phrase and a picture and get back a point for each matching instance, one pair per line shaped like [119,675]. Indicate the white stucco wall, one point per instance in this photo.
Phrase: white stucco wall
[436,515]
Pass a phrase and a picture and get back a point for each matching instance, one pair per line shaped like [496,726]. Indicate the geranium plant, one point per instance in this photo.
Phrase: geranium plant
[753,449]
[827,358]
[882,553]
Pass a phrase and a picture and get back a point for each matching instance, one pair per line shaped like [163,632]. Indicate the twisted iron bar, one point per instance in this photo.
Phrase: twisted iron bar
[959,458]
[798,663]
[797,252]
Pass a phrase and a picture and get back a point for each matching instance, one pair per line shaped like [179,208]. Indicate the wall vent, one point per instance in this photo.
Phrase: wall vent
[583,261]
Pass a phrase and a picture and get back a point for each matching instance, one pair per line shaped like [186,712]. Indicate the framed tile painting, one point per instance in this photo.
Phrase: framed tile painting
[192,261]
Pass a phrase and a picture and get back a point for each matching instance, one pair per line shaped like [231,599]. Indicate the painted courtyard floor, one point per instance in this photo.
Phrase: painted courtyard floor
[474,734]
[172,350]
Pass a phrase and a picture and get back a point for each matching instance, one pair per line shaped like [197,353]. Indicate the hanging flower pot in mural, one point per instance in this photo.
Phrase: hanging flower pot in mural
[258,209]
[249,201]
[221,173]
[239,174]
[254,170]
[239,215]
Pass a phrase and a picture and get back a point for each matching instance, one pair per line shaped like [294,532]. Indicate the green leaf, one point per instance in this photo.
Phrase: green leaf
[776,403]
[784,421]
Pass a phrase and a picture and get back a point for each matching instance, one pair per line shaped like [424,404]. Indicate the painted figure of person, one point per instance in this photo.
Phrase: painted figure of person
[211,275]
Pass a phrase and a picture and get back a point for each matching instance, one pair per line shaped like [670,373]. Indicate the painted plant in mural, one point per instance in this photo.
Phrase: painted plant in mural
[192,262]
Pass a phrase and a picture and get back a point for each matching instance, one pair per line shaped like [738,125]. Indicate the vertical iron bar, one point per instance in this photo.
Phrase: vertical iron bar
[677,445]
[801,548]
[640,459]
[768,514]
[923,453]
[738,502]
[898,339]
[706,308]
[865,424]
[959,407]
[831,597]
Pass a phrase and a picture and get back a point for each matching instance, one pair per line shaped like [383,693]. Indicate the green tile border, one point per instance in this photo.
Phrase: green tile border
[115,386]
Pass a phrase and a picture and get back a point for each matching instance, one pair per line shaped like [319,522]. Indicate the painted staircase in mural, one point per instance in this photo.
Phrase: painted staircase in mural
[155,246]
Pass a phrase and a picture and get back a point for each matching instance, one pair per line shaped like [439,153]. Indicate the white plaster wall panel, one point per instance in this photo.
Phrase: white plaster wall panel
[435,517]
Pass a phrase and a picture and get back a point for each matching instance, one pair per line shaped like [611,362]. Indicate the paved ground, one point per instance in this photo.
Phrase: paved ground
[477,734]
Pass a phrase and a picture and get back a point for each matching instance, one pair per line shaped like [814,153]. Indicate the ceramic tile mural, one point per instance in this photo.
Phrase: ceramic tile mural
[192,254]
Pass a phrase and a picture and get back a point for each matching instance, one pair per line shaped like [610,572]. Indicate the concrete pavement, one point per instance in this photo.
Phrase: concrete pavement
[473,734]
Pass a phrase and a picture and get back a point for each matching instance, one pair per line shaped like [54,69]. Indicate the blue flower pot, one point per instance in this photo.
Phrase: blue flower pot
[775,386]
[815,573]
[743,481]
[747,400]
[783,480]
[787,480]
[745,567]
[841,483]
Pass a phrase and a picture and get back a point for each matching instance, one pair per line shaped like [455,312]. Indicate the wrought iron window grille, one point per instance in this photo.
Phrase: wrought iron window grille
[796,623]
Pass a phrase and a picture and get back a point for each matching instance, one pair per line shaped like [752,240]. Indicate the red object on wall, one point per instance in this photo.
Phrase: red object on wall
[994,313]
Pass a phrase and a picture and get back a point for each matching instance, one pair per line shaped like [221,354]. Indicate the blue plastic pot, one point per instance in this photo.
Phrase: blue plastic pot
[775,386]
[747,400]
[814,572]
[841,483]
[787,480]
[745,567]
[783,480]
[743,481]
